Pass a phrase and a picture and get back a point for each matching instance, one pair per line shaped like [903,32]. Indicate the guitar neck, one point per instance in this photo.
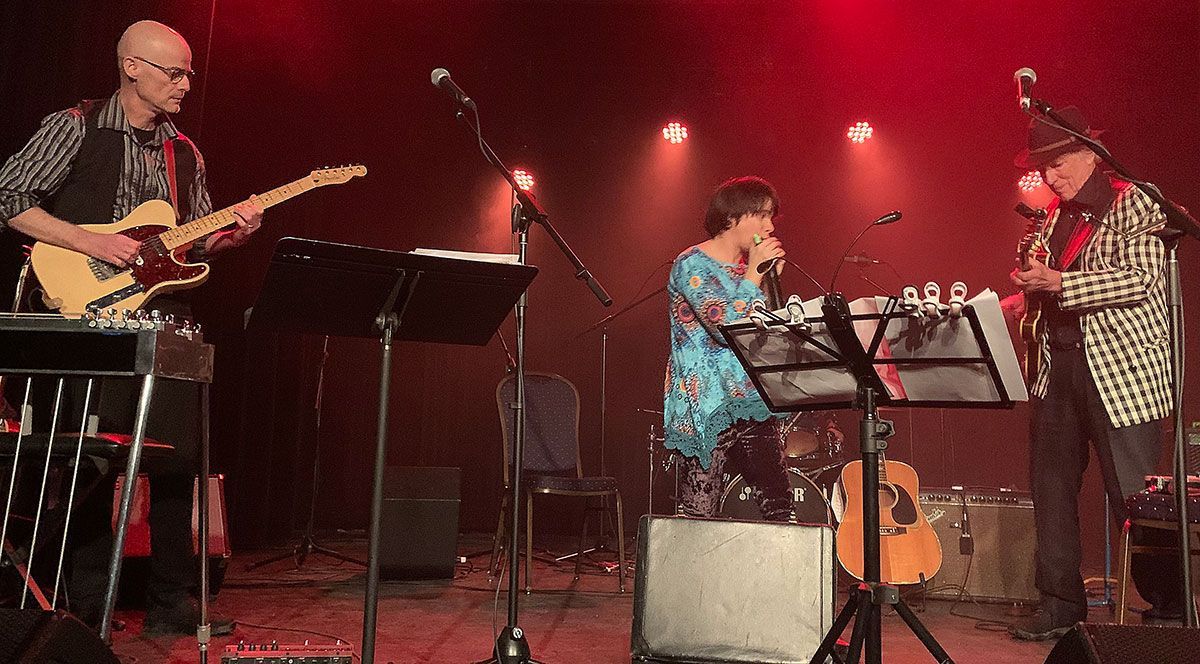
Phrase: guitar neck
[198,228]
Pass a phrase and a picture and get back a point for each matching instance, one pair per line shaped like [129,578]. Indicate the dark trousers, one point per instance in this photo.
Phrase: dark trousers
[753,449]
[1064,422]
[174,419]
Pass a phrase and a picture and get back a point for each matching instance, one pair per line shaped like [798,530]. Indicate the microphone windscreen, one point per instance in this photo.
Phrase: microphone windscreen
[438,74]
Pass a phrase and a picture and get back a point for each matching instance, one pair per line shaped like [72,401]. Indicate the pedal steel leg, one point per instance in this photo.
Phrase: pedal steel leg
[204,629]
[131,473]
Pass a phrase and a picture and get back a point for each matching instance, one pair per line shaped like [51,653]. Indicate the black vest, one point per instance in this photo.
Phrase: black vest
[89,192]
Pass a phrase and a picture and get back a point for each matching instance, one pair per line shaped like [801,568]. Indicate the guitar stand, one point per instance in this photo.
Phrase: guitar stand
[866,601]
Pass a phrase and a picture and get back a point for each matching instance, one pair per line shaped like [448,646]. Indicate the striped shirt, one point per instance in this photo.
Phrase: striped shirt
[40,168]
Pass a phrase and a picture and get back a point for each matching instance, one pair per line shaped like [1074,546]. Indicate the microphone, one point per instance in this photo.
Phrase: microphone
[1032,214]
[1024,78]
[441,79]
[888,218]
[861,260]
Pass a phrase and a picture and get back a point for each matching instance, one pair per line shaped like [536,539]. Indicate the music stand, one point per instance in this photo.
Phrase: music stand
[345,290]
[839,359]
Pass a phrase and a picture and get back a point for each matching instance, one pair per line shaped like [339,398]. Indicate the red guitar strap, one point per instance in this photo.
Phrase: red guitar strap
[1084,230]
[169,156]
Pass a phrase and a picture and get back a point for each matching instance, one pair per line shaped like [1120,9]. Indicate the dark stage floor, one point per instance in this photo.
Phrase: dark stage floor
[452,621]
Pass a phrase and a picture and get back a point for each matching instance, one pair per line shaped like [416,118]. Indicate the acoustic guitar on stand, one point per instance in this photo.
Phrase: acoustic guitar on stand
[73,283]
[909,551]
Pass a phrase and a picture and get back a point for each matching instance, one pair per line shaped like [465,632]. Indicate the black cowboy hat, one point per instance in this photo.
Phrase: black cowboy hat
[1047,143]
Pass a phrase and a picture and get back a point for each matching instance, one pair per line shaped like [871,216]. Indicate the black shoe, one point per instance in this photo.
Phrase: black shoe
[182,619]
[1041,626]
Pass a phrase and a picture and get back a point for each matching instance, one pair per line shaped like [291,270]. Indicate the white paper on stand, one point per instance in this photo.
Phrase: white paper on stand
[905,337]
[483,257]
[946,337]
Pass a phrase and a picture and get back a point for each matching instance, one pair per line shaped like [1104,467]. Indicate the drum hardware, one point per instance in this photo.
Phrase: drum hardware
[808,500]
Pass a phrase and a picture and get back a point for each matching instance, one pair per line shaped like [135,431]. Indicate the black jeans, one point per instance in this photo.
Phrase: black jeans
[1063,423]
[174,419]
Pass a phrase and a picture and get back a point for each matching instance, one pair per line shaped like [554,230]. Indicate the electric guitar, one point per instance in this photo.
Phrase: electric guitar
[1033,324]
[909,550]
[73,283]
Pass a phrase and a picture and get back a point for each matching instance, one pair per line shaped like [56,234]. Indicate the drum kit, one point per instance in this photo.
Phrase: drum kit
[812,448]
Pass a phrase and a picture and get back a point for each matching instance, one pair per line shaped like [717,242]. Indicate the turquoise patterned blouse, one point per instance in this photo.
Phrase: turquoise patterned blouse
[706,389]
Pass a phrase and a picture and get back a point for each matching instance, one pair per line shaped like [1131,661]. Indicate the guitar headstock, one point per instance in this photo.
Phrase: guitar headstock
[338,175]
[1033,232]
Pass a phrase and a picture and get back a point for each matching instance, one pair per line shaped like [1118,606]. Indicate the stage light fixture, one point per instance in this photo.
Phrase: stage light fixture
[675,132]
[1030,181]
[524,179]
[859,132]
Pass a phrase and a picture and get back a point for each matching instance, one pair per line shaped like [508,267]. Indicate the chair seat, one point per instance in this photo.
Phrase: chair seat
[100,445]
[582,484]
[1160,506]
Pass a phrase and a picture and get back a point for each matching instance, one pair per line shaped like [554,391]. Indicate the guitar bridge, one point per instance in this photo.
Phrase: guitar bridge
[103,270]
[892,530]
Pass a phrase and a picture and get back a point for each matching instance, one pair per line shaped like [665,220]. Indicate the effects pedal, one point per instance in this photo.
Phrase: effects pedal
[273,653]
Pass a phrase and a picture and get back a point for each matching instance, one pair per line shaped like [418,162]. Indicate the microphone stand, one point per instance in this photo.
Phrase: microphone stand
[511,646]
[1179,223]
[308,544]
[602,324]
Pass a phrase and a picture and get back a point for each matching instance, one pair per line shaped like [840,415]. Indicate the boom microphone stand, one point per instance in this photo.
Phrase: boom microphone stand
[511,645]
[1179,224]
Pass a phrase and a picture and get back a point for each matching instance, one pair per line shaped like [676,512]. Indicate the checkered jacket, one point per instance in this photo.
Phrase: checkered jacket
[1119,290]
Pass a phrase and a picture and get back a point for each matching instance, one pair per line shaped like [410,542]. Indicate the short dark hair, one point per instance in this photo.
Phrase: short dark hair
[735,197]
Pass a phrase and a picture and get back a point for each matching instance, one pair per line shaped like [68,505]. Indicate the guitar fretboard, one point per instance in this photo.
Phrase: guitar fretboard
[198,228]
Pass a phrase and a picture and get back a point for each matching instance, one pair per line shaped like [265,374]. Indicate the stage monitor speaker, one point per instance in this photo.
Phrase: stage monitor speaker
[419,523]
[33,636]
[988,532]
[1090,643]
[716,590]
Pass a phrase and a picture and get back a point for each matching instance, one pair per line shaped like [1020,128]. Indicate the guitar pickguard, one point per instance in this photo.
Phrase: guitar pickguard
[155,265]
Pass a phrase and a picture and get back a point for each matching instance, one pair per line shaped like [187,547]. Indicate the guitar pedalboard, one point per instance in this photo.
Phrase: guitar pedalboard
[273,653]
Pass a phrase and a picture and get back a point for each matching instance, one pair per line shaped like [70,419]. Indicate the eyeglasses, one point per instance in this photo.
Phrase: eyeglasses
[176,74]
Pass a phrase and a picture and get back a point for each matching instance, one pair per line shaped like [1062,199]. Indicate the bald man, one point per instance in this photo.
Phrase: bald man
[93,164]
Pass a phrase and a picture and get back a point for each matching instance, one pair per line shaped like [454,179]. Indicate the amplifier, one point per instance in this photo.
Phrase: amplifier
[273,653]
[137,538]
[716,591]
[987,538]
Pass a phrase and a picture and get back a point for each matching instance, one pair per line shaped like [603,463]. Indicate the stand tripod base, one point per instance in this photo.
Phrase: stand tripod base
[299,553]
[511,648]
[865,606]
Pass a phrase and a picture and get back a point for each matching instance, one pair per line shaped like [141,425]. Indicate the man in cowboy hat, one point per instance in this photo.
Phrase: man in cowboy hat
[1105,377]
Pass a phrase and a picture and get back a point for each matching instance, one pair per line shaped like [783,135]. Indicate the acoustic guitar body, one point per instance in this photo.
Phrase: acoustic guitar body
[908,546]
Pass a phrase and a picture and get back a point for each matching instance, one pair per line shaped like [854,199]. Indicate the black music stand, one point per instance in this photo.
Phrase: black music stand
[779,352]
[345,290]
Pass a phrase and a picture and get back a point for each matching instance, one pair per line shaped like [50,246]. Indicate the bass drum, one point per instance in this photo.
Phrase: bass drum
[808,502]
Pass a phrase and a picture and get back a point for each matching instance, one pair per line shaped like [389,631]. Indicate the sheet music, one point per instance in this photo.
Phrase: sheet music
[905,337]
[946,337]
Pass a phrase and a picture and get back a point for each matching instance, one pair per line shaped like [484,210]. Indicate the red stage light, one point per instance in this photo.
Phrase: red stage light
[1030,181]
[859,132]
[675,132]
[524,179]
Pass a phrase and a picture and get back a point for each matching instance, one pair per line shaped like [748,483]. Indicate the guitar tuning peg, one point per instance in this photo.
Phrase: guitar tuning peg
[140,314]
